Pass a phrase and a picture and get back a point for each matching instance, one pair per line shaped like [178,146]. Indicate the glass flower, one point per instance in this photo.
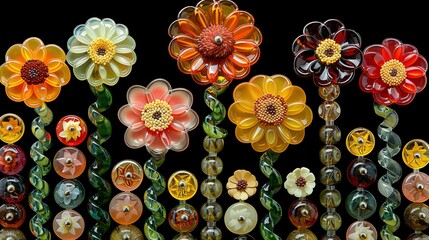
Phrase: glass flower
[9,160]
[158,117]
[415,187]
[127,175]
[241,219]
[34,72]
[300,182]
[71,130]
[69,162]
[270,113]
[242,185]
[10,129]
[68,192]
[393,72]
[361,231]
[101,51]
[68,223]
[125,208]
[327,51]
[214,42]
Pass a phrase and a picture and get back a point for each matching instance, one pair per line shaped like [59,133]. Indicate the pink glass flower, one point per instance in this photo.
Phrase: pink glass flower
[158,117]
[415,187]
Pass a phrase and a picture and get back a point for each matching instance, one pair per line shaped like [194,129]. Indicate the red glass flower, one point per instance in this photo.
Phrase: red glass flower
[327,51]
[393,72]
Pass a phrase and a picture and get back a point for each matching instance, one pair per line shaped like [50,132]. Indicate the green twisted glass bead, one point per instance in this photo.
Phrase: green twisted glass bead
[42,168]
[267,192]
[217,115]
[393,168]
[158,185]
[101,164]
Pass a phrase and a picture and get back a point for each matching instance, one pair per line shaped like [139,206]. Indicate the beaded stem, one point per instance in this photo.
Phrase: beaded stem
[157,186]
[268,190]
[101,164]
[394,171]
[42,168]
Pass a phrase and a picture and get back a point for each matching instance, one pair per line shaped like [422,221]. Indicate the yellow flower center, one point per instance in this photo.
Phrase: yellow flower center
[328,51]
[393,72]
[270,110]
[101,50]
[157,115]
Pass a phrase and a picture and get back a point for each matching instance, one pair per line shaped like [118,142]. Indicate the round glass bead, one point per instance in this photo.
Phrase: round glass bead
[184,236]
[330,198]
[182,185]
[329,155]
[361,230]
[125,208]
[326,237]
[211,188]
[13,188]
[330,175]
[69,162]
[130,232]
[11,128]
[416,216]
[183,218]
[303,213]
[330,134]
[415,154]
[301,233]
[329,110]
[71,130]
[12,159]
[213,145]
[418,236]
[11,234]
[69,193]
[330,221]
[415,186]
[241,218]
[211,233]
[330,92]
[211,211]
[68,225]
[362,172]
[127,175]
[212,165]
[360,141]
[12,215]
[361,204]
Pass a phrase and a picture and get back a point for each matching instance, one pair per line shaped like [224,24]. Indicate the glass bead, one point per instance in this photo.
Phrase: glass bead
[182,185]
[211,188]
[361,230]
[12,215]
[415,154]
[13,188]
[212,165]
[330,198]
[71,130]
[183,236]
[329,110]
[418,236]
[302,233]
[68,225]
[69,193]
[127,175]
[183,218]
[329,155]
[330,134]
[416,216]
[326,237]
[360,141]
[330,175]
[361,204]
[130,232]
[11,234]
[241,218]
[362,172]
[12,159]
[330,221]
[211,233]
[213,145]
[11,128]
[125,208]
[415,186]
[211,211]
[303,213]
[69,162]
[330,92]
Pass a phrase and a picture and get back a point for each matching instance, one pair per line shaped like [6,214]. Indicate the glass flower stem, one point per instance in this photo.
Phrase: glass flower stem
[393,168]
[101,164]
[41,169]
[159,214]
[268,190]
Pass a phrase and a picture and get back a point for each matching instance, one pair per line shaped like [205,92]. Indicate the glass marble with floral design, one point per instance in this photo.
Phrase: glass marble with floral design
[69,162]
[12,215]
[12,128]
[241,218]
[182,185]
[127,175]
[122,232]
[183,218]
[125,208]
[69,193]
[361,230]
[68,225]
[71,130]
[13,188]
[12,159]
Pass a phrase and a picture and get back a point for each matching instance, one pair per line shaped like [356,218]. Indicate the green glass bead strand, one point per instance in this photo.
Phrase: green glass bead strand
[101,164]
[41,169]
[217,115]
[267,192]
[393,168]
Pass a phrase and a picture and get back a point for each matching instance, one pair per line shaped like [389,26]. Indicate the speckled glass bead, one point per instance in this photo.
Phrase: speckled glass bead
[330,221]
[301,233]
[330,175]
[361,204]
[211,233]
[212,165]
[68,225]
[183,218]
[415,186]
[361,230]
[360,141]
[416,216]
[211,211]
[69,193]
[13,188]
[329,110]
[182,185]
[330,134]
[12,215]
[362,172]
[127,175]
[415,154]
[330,155]
[12,159]
[11,234]
[69,162]
[125,208]
[11,128]
[123,232]
[418,236]
[303,213]
[241,218]
[330,198]
[71,130]
[211,188]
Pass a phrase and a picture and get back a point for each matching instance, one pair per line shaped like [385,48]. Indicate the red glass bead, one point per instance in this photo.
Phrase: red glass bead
[362,172]
[71,130]
[12,159]
[183,218]
[12,215]
[125,208]
[303,213]
[13,188]
[69,162]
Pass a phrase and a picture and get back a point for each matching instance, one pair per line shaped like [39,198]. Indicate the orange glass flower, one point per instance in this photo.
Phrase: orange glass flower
[214,42]
[270,113]
[34,72]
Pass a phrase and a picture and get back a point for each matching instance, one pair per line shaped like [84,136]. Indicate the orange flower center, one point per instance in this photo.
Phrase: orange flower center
[157,115]
[328,51]
[270,110]
[215,42]
[34,72]
[300,182]
[241,185]
[393,72]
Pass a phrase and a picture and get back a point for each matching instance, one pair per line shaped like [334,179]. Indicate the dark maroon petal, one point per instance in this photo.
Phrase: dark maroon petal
[351,58]
[303,62]
[303,42]
[334,25]
[325,77]
[346,37]
[313,29]
[343,77]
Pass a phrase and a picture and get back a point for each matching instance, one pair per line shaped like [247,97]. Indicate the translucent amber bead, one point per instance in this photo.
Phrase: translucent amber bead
[330,221]
[13,188]
[241,218]
[184,236]
[361,204]
[415,154]
[418,236]
[127,175]
[362,172]
[360,141]
[12,159]
[213,145]
[330,134]
[68,225]
[329,155]
[301,233]
[130,232]
[12,215]
[125,208]
[11,234]
[211,211]
[211,188]
[416,216]
[211,233]
[71,130]
[303,213]
[11,128]
[183,218]
[361,230]
[212,165]
[182,185]
[69,162]
[69,193]
[330,92]
[330,175]
[330,198]
[415,186]
[329,110]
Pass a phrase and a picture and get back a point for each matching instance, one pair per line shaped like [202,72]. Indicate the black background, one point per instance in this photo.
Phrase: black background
[279,25]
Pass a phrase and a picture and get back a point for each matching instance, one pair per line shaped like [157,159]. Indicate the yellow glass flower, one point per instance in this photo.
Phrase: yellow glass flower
[101,51]
[270,113]
[71,130]
[11,128]
[34,72]
[242,185]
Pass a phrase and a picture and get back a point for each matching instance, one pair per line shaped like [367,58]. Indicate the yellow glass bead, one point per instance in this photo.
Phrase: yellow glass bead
[415,154]
[11,128]
[360,141]
[182,185]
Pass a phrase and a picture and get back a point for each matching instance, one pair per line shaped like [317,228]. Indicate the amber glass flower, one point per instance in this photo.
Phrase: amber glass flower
[34,72]
[270,113]
[242,185]
[214,42]
[393,72]
[101,51]
[327,51]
